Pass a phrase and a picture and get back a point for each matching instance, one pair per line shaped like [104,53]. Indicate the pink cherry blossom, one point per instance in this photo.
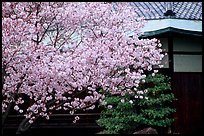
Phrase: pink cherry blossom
[54,51]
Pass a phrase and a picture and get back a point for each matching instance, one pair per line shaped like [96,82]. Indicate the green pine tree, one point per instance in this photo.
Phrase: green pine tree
[151,106]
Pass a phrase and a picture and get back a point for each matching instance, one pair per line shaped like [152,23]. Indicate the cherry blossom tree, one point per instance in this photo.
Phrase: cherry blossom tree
[64,55]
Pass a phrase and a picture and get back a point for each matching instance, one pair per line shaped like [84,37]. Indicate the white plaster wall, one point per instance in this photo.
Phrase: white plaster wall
[187,63]
[191,25]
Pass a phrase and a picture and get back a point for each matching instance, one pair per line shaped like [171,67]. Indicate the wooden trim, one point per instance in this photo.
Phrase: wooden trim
[170,53]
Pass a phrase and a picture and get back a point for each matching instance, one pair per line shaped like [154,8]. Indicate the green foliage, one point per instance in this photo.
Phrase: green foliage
[119,115]
[157,109]
[150,105]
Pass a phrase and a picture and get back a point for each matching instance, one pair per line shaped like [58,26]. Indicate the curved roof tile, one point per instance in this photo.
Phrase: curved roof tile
[156,10]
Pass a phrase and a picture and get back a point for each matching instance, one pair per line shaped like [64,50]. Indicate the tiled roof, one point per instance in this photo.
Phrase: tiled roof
[156,10]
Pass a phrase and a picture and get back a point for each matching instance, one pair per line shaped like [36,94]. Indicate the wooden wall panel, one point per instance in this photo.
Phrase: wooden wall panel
[187,87]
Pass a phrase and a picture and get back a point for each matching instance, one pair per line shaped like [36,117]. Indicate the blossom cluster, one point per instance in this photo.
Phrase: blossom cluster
[43,61]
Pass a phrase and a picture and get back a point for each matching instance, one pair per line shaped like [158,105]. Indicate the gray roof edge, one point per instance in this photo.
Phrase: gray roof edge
[170,29]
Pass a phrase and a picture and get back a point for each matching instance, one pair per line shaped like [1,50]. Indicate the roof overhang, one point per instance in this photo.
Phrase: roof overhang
[179,26]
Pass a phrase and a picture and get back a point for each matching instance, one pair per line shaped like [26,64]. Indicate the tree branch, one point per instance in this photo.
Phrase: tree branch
[25,125]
